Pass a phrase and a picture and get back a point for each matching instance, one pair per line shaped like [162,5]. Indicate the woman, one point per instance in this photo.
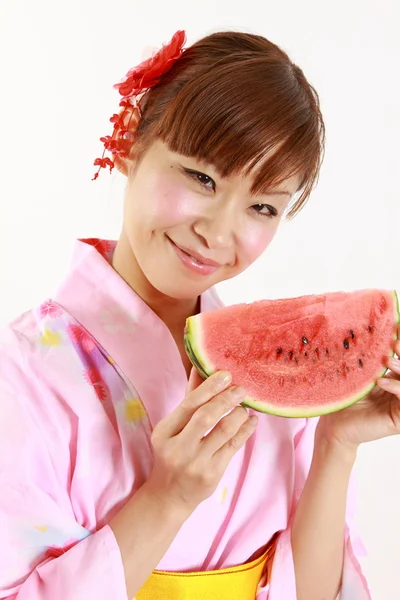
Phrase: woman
[122,473]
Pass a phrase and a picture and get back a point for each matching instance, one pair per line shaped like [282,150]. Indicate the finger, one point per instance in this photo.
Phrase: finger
[180,417]
[194,381]
[225,429]
[394,365]
[390,385]
[208,415]
[224,454]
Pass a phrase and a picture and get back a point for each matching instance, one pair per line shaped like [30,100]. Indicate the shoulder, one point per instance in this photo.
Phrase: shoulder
[35,358]
[21,361]
[26,343]
[23,441]
[18,341]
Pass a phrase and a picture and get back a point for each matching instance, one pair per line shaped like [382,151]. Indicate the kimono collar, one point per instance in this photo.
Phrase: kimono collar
[125,327]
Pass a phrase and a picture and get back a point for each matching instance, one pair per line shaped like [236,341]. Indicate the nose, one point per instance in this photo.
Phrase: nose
[217,229]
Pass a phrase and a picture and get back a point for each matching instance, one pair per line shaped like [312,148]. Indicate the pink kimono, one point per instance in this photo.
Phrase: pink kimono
[84,378]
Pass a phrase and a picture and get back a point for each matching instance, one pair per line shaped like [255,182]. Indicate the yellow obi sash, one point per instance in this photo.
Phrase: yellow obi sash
[233,583]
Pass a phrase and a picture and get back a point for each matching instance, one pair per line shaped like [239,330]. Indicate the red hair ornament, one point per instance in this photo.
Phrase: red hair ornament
[135,83]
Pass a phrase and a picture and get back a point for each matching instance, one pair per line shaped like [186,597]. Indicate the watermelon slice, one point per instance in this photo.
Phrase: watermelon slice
[299,357]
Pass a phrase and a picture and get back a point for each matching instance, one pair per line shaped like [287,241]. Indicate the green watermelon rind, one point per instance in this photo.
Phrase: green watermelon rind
[193,345]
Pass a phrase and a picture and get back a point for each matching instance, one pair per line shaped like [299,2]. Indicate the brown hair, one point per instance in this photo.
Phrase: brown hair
[228,100]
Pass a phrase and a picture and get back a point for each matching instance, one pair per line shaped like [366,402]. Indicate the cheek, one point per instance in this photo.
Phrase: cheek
[169,202]
[255,239]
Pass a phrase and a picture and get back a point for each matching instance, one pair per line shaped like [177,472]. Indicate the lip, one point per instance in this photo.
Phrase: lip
[194,260]
[199,257]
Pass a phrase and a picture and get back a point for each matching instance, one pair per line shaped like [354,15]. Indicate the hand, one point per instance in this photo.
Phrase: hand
[374,417]
[189,459]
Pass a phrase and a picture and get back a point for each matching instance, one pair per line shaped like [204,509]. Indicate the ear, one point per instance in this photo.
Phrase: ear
[131,118]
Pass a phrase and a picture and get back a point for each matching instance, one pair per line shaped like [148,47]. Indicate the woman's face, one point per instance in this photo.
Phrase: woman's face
[189,229]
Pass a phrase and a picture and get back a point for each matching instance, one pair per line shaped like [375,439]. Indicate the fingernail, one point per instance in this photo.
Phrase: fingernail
[253,420]
[224,377]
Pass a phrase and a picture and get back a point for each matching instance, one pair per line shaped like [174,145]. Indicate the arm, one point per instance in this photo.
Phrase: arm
[91,567]
[281,581]
[44,552]
[318,527]
[320,518]
[187,468]
[154,526]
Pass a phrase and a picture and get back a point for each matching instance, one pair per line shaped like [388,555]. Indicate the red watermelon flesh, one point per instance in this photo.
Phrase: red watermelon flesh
[299,357]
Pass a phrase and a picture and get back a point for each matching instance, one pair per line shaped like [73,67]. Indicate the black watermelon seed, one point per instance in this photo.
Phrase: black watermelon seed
[360,362]
[352,334]
[290,355]
[326,350]
[370,328]
[304,340]
[305,353]
[279,351]
[346,344]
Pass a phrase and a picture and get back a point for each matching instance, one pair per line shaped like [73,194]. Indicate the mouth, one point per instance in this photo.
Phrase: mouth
[198,257]
[194,260]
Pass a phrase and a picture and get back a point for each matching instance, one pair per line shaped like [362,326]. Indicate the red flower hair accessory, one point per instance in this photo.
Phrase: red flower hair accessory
[135,83]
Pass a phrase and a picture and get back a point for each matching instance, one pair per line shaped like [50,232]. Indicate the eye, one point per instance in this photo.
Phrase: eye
[201,178]
[260,208]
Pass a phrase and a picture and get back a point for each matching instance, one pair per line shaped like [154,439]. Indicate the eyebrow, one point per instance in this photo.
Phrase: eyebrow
[277,193]
[273,193]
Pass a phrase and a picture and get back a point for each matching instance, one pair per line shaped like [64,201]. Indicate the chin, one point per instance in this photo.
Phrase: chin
[179,288]
[175,283]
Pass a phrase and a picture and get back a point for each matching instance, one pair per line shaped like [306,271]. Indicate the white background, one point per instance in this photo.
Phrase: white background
[59,61]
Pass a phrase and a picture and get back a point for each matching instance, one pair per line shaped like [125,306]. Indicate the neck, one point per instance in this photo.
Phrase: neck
[172,311]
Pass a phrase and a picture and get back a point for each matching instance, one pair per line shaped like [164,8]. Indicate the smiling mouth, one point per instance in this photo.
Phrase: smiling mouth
[190,255]
[193,262]
[198,258]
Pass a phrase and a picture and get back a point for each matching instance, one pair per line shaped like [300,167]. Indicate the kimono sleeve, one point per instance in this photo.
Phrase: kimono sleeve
[44,553]
[281,582]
